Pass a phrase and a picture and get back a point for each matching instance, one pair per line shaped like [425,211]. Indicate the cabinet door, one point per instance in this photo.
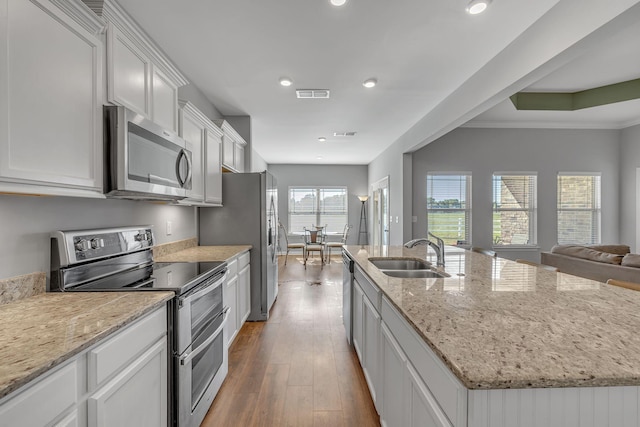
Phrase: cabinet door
[421,407]
[194,135]
[50,98]
[164,101]
[239,158]
[244,295]
[137,396]
[228,152]
[371,349]
[393,366]
[129,71]
[231,298]
[358,294]
[213,168]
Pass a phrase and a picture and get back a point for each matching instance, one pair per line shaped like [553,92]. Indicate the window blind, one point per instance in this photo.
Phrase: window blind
[310,206]
[514,208]
[579,208]
[449,207]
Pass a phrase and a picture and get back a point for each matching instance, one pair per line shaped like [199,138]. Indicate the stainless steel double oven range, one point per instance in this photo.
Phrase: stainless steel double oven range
[120,259]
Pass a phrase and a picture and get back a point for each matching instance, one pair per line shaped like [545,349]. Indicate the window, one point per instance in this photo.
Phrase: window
[578,208]
[514,208]
[449,207]
[317,206]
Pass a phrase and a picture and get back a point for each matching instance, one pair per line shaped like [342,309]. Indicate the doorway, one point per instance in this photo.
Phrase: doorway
[381,218]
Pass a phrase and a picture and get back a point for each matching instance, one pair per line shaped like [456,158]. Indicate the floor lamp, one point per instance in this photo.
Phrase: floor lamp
[363,219]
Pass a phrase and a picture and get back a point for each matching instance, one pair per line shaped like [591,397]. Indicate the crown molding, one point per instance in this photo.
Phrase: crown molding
[116,15]
[187,106]
[542,125]
[82,14]
[229,130]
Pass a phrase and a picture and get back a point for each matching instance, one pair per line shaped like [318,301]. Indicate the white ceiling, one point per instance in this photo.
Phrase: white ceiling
[419,50]
[614,60]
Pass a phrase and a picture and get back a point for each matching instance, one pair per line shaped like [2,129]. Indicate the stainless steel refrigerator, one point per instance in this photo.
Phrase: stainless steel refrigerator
[248,216]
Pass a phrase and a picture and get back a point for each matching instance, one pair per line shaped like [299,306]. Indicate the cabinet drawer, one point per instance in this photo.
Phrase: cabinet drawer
[232,267]
[449,392]
[117,352]
[43,400]
[370,290]
[243,260]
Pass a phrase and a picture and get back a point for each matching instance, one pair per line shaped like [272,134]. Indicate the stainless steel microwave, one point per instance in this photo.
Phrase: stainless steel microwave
[143,160]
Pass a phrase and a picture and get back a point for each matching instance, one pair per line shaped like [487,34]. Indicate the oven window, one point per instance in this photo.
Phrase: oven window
[204,368]
[204,311]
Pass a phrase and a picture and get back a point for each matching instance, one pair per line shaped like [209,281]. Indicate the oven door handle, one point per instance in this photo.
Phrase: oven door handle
[205,290]
[187,357]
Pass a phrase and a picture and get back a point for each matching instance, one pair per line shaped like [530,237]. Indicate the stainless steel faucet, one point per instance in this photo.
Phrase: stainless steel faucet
[438,247]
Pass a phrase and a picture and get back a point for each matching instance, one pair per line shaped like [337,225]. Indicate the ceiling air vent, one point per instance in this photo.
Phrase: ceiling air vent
[344,133]
[312,93]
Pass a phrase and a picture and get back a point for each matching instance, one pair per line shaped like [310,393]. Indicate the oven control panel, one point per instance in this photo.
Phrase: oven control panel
[84,245]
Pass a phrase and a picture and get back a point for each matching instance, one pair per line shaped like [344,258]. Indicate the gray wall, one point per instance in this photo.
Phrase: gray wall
[397,166]
[191,93]
[353,177]
[546,151]
[27,222]
[629,163]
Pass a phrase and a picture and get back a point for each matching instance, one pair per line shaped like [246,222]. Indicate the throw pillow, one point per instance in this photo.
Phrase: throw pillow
[631,260]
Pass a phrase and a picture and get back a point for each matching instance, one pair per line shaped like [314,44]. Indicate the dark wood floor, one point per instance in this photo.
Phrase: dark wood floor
[296,369]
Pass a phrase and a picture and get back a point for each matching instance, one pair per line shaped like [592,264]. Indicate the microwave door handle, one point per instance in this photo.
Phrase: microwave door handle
[155,179]
[183,154]
[187,357]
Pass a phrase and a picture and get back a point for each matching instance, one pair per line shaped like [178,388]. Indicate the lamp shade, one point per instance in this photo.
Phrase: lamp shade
[363,198]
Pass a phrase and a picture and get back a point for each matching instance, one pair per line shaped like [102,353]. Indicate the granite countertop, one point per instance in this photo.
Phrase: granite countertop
[500,324]
[203,254]
[42,331]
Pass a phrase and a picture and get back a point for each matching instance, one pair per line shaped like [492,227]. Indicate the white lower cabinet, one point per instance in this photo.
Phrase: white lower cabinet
[137,396]
[371,333]
[231,296]
[357,319]
[244,293]
[421,409]
[237,293]
[120,381]
[393,370]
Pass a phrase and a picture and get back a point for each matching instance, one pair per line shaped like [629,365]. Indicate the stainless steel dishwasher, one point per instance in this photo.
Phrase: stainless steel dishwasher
[347,289]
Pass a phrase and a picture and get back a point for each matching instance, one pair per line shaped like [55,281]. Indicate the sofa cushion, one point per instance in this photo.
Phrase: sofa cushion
[612,249]
[587,253]
[631,260]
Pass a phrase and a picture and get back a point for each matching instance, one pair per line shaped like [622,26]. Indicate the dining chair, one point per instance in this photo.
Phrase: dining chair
[290,246]
[535,264]
[314,242]
[340,244]
[483,251]
[624,284]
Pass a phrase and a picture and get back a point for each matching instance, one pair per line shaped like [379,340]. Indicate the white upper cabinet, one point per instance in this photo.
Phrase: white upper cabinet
[51,96]
[139,75]
[203,140]
[232,147]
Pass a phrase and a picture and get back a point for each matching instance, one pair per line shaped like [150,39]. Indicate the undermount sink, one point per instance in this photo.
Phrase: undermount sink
[400,264]
[414,274]
[409,268]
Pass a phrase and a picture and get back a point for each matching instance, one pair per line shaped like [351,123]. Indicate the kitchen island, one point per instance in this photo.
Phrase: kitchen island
[510,344]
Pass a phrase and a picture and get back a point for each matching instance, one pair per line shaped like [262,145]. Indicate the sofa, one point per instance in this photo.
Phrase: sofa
[597,262]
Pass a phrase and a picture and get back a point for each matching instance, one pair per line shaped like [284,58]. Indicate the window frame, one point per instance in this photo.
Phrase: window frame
[532,210]
[316,210]
[468,203]
[595,210]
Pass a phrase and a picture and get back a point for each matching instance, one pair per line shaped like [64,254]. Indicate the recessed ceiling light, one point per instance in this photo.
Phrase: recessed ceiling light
[477,6]
[369,83]
[286,81]
[338,2]
[322,139]
[319,158]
